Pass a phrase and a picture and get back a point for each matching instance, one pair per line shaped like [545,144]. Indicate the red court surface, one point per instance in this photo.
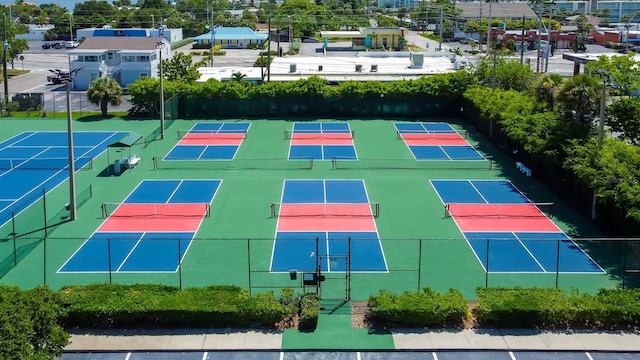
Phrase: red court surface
[321,139]
[430,139]
[326,217]
[155,218]
[501,217]
[212,139]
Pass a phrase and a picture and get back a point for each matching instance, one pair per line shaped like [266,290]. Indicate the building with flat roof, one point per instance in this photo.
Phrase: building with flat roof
[231,38]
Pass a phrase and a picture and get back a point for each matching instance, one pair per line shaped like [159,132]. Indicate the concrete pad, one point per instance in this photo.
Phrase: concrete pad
[100,342]
[561,340]
[262,341]
[598,341]
[411,339]
[485,339]
[153,342]
[523,339]
[186,342]
[629,341]
[224,341]
[446,339]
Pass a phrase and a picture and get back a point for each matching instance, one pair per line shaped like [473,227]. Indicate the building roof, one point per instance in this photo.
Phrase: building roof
[232,33]
[338,69]
[476,10]
[119,43]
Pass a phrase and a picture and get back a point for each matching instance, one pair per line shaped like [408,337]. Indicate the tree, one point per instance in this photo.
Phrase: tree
[623,117]
[29,324]
[544,88]
[104,91]
[181,68]
[623,71]
[579,95]
[238,76]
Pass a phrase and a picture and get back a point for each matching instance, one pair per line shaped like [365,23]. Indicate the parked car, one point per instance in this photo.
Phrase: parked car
[46,46]
[71,44]
[58,76]
[58,45]
[467,41]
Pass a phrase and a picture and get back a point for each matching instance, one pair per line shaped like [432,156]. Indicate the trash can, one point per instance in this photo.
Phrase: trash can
[116,167]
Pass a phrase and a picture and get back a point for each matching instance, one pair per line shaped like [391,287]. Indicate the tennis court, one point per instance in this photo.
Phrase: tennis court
[36,161]
[507,232]
[322,141]
[150,231]
[242,209]
[436,141]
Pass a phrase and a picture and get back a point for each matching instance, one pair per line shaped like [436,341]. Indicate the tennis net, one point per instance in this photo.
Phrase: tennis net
[233,164]
[211,134]
[522,210]
[338,163]
[444,134]
[371,209]
[150,210]
[57,163]
[321,135]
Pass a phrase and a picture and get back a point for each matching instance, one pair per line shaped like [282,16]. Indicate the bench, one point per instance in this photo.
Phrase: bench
[130,161]
[522,167]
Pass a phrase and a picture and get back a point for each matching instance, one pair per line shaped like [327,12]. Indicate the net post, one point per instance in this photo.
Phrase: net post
[103,208]
[90,163]
[286,134]
[465,134]
[446,211]
[310,162]
[273,210]
[334,164]
[207,210]
[490,159]
[178,134]
[155,163]
[353,134]
[398,136]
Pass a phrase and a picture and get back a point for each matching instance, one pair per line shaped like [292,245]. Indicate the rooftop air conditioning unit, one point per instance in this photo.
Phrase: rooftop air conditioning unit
[374,68]
[292,68]
[358,67]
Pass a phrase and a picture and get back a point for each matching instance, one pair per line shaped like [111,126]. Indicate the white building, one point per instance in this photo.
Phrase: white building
[35,32]
[172,35]
[124,59]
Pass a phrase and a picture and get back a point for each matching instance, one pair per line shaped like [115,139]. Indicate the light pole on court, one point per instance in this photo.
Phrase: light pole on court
[160,45]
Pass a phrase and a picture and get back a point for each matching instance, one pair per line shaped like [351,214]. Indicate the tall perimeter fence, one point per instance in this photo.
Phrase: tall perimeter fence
[414,264]
[54,102]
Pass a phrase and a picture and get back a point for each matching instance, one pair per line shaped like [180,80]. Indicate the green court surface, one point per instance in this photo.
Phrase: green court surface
[234,245]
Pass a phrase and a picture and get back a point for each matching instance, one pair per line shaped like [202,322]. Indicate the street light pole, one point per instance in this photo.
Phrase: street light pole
[70,27]
[603,106]
[5,46]
[160,46]
[72,170]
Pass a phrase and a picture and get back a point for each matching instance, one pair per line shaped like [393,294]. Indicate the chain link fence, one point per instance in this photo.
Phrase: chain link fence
[42,104]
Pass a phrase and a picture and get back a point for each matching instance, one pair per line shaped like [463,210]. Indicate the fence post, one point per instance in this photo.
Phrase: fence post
[624,263]
[13,231]
[557,262]
[44,267]
[44,212]
[419,263]
[486,275]
[249,262]
[179,265]
[109,260]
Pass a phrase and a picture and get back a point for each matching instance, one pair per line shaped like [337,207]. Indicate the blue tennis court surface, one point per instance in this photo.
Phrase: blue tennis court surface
[506,239]
[321,141]
[319,220]
[33,161]
[209,141]
[149,242]
[436,141]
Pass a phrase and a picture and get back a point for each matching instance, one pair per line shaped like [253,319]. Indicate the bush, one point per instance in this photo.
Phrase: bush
[133,306]
[181,43]
[309,312]
[427,308]
[535,307]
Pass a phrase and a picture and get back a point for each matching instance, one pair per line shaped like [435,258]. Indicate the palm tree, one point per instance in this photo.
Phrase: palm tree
[104,91]
[580,95]
[238,76]
[545,87]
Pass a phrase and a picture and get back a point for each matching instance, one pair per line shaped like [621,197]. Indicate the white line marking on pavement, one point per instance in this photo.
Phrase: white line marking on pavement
[128,356]
[358,357]
[513,357]
[435,356]
[282,355]
[205,356]
[588,356]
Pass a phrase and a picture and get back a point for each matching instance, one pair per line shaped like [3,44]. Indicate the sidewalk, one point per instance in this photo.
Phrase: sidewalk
[419,339]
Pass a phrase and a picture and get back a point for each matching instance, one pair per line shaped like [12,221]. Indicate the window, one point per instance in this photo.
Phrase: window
[110,55]
[128,58]
[142,58]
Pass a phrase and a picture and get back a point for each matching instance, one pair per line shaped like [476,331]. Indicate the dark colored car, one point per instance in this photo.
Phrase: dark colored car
[58,45]
[58,76]
[46,46]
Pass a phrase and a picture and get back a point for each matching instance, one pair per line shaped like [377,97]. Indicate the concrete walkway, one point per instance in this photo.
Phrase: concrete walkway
[419,339]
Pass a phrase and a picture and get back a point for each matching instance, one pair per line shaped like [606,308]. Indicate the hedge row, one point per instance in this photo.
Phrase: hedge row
[426,308]
[309,312]
[533,307]
[126,306]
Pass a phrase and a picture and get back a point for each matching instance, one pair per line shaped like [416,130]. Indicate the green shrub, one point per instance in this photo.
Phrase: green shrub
[536,307]
[125,306]
[309,312]
[181,43]
[427,308]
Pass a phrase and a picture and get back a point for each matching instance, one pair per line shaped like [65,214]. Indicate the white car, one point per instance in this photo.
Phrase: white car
[71,44]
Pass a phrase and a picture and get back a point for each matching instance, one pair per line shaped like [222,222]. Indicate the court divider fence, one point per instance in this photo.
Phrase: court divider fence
[412,264]
[31,222]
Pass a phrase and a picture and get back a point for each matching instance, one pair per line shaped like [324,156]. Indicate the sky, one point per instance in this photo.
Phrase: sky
[69,4]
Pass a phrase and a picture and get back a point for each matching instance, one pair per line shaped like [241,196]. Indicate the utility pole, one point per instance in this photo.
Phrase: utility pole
[546,61]
[489,27]
[441,21]
[480,37]
[522,42]
[539,39]
[269,52]
[5,47]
